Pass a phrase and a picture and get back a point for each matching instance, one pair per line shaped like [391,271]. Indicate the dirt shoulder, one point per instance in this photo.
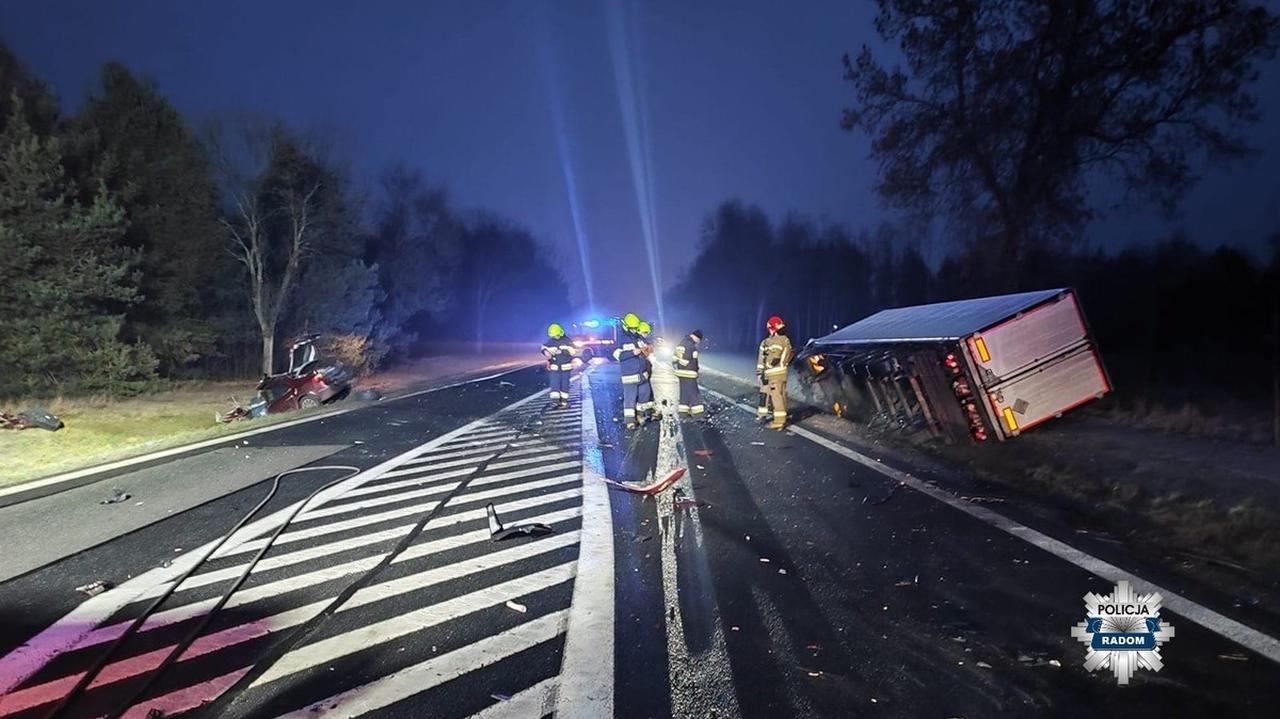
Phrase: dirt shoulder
[103,429]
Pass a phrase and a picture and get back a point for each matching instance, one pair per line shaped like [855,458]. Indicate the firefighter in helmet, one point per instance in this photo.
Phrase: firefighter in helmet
[771,366]
[646,405]
[684,359]
[559,353]
[630,355]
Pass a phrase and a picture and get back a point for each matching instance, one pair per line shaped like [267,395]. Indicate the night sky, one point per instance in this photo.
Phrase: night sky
[653,111]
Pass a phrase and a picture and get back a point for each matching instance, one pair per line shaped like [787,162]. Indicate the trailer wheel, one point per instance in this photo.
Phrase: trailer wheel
[308,401]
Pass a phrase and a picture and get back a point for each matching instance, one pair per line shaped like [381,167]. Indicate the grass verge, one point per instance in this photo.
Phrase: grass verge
[104,429]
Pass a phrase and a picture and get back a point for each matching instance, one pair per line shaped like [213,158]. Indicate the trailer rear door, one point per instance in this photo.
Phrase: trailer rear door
[1001,352]
[1047,391]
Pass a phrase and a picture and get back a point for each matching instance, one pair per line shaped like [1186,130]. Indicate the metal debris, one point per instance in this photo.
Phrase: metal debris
[93,589]
[499,532]
[650,489]
[30,419]
[118,495]
[516,606]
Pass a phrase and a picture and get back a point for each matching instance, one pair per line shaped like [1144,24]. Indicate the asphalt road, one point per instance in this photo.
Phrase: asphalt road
[777,578]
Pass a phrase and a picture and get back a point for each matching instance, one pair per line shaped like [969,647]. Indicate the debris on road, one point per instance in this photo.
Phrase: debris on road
[35,418]
[650,489]
[499,532]
[881,500]
[517,606]
[1237,657]
[505,383]
[368,394]
[118,495]
[93,589]
[758,444]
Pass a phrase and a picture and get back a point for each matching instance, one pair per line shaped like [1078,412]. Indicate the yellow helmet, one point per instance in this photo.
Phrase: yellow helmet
[631,321]
[555,330]
[644,328]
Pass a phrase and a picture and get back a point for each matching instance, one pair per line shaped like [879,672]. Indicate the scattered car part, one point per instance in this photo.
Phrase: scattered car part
[32,418]
[93,589]
[118,495]
[499,532]
[650,489]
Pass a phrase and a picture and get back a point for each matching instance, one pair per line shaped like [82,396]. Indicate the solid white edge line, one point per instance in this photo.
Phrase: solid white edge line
[1224,626]
[161,454]
[586,671]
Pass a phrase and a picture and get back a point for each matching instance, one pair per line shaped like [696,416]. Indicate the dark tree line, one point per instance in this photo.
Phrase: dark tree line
[133,247]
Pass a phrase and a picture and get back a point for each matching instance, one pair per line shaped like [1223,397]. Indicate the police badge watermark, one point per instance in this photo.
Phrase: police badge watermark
[1122,631]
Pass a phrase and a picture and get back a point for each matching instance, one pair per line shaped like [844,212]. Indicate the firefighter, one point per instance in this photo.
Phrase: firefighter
[684,359]
[646,405]
[771,366]
[559,353]
[630,355]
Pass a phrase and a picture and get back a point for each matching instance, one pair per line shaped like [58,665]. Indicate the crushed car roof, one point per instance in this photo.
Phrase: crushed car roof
[940,321]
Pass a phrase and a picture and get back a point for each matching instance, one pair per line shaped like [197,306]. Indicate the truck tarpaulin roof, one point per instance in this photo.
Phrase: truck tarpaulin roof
[937,322]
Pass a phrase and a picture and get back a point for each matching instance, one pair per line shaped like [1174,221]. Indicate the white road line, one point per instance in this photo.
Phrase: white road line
[459,517]
[167,617]
[487,436]
[298,535]
[21,663]
[537,701]
[185,699]
[493,494]
[136,665]
[423,481]
[270,562]
[414,466]
[700,684]
[420,480]
[1219,624]
[427,675]
[586,670]
[492,435]
[330,510]
[341,645]
[532,444]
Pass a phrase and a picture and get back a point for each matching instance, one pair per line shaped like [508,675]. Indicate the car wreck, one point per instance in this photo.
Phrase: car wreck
[966,370]
[309,382]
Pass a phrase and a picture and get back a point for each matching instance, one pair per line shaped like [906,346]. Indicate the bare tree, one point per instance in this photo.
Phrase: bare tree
[1005,108]
[273,189]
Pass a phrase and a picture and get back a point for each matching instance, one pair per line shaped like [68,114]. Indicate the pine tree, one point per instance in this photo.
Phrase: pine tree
[67,277]
[130,136]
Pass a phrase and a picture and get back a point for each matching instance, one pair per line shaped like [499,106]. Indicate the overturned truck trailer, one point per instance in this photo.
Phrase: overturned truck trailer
[989,366]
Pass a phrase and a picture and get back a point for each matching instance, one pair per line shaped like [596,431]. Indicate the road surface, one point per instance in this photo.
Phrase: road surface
[784,575]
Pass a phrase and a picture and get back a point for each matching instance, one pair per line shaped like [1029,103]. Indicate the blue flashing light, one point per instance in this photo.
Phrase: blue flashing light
[591,323]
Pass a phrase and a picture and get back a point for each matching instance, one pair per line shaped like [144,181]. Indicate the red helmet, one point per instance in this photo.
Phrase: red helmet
[775,323]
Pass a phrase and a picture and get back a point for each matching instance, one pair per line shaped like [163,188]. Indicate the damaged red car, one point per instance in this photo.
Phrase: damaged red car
[309,382]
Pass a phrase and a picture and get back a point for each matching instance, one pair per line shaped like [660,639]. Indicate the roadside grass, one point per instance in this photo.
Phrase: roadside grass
[101,428]
[104,429]
[1240,535]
